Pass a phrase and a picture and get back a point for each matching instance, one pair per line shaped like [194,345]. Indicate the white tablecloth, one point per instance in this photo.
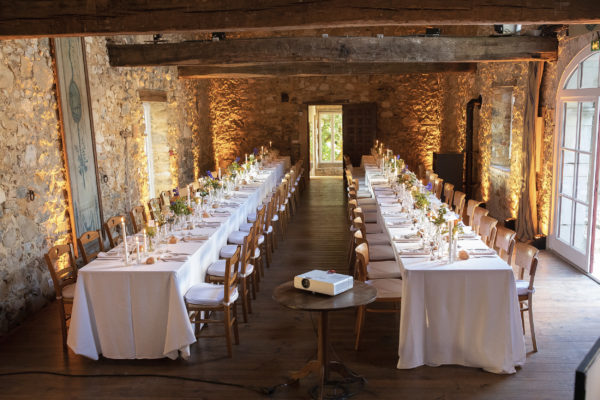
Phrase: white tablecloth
[138,311]
[465,313]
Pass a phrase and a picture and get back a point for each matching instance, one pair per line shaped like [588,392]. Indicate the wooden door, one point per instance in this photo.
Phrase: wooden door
[360,127]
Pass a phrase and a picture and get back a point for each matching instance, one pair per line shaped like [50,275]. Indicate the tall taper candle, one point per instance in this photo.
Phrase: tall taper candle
[219,173]
[137,250]
[145,242]
[124,235]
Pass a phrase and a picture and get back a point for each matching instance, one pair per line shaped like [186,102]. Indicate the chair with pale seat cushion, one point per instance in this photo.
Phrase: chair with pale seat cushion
[471,205]
[526,261]
[63,271]
[389,290]
[204,300]
[377,252]
[90,244]
[113,227]
[138,218]
[504,243]
[448,193]
[487,229]
[478,212]
[459,203]
[370,227]
[372,238]
[246,272]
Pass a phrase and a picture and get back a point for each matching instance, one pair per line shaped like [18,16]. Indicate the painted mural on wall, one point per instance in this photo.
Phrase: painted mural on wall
[78,133]
[502,101]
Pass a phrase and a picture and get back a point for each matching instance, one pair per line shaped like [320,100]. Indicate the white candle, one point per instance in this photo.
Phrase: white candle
[137,249]
[219,173]
[145,241]
[246,155]
[189,201]
[124,235]
[270,144]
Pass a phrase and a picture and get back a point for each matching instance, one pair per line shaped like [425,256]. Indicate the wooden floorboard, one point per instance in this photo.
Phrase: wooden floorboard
[277,340]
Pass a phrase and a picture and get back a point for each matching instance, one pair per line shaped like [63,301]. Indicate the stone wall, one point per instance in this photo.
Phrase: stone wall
[30,159]
[244,114]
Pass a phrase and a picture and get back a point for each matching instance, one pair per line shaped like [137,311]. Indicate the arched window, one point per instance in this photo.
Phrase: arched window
[576,149]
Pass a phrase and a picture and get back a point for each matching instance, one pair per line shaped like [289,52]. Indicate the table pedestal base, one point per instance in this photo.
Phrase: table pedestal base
[323,366]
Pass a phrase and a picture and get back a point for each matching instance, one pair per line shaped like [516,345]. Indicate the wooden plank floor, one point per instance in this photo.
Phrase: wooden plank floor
[277,340]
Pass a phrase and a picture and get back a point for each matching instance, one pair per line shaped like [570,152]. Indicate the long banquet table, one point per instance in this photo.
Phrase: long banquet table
[138,311]
[464,313]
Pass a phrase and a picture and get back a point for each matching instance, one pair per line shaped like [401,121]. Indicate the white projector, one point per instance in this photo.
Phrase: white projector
[323,282]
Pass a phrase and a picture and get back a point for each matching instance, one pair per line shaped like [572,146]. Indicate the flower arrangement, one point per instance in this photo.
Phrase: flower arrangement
[408,179]
[150,231]
[179,207]
[234,167]
[211,181]
[420,200]
[441,217]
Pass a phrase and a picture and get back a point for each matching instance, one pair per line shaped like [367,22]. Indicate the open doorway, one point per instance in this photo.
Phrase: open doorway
[157,147]
[326,133]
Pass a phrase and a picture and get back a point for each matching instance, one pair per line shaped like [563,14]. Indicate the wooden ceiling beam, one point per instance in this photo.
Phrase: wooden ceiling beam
[43,18]
[411,49]
[319,69]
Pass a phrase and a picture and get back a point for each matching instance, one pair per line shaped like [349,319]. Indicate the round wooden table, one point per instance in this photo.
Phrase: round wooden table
[287,295]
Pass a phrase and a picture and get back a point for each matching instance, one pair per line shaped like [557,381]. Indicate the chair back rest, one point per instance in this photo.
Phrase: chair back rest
[270,212]
[247,251]
[478,212]
[459,203]
[505,243]
[420,171]
[112,227]
[471,204]
[356,186]
[352,194]
[90,251]
[165,198]
[487,229]
[448,193]
[359,238]
[362,260]
[154,207]
[138,218]
[526,260]
[352,204]
[231,275]
[260,222]
[359,225]
[62,267]
[439,184]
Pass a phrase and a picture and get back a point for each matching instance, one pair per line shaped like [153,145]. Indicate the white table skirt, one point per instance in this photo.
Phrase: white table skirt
[138,311]
[465,313]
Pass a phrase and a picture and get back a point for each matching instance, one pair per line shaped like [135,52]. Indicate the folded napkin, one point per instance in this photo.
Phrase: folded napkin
[410,238]
[413,252]
[195,238]
[222,212]
[481,252]
[173,258]
[107,256]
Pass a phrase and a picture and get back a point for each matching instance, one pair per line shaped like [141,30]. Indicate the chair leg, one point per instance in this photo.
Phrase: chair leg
[254,284]
[274,236]
[522,319]
[531,328]
[245,300]
[360,320]
[227,324]
[236,333]
[63,323]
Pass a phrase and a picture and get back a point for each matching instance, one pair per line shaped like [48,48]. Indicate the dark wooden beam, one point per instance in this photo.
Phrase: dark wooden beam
[41,18]
[319,69]
[152,95]
[335,49]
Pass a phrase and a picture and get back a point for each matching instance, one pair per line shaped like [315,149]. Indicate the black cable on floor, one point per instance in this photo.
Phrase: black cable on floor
[264,390]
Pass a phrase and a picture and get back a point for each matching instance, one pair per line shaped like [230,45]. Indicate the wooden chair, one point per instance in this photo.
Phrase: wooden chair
[165,198]
[478,212]
[112,227]
[138,218]
[203,300]
[437,187]
[154,207]
[63,270]
[420,171]
[85,241]
[471,204]
[388,291]
[505,243]
[448,193]
[246,271]
[487,230]
[526,260]
[459,203]
[379,269]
